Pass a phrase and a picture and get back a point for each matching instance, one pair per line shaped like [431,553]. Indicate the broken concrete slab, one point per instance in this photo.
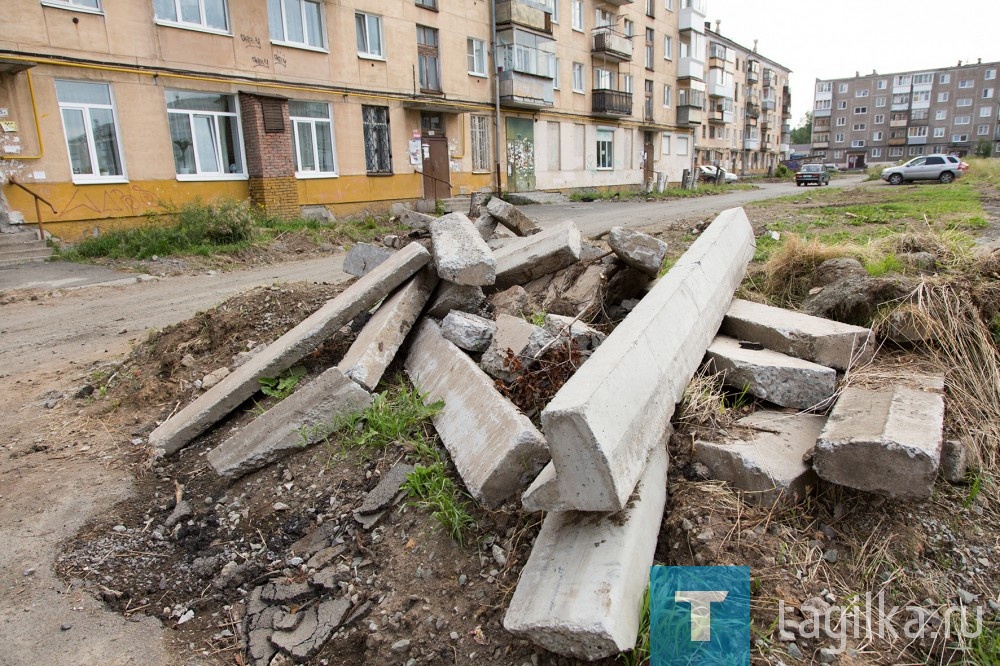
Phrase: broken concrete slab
[257,628]
[509,216]
[815,339]
[954,460]
[468,331]
[495,448]
[767,462]
[416,220]
[886,442]
[364,257]
[476,200]
[641,369]
[778,378]
[451,296]
[376,346]
[640,251]
[385,491]
[285,592]
[314,630]
[580,592]
[523,260]
[587,338]
[299,420]
[177,431]
[517,338]
[460,253]
[486,225]
[514,301]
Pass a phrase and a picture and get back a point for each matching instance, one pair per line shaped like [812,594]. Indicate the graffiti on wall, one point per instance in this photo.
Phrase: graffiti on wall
[133,200]
[250,41]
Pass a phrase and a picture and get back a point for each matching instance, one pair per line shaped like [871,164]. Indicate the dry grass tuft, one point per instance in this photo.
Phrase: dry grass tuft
[788,274]
[704,407]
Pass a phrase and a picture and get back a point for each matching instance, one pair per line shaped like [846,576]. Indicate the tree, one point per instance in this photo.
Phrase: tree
[803,133]
[984,148]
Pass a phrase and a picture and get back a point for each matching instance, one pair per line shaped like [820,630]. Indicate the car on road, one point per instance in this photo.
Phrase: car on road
[832,168]
[815,174]
[708,173]
[945,168]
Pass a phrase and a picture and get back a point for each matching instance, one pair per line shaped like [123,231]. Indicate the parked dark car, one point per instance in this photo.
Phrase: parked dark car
[815,174]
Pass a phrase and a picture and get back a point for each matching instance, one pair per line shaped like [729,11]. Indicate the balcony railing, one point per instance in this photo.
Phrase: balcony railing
[769,78]
[897,141]
[720,116]
[618,3]
[611,102]
[690,68]
[524,90]
[692,18]
[898,123]
[689,115]
[768,102]
[525,13]
[612,45]
[753,75]
[753,110]
[821,144]
[916,140]
[766,121]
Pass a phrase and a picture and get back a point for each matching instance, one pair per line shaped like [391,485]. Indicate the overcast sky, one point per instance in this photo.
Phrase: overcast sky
[836,38]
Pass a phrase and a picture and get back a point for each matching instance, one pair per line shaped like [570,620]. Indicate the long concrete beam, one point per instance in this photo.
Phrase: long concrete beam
[606,419]
[197,417]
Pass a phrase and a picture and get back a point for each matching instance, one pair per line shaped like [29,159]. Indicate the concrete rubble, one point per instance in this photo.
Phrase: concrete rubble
[460,254]
[515,346]
[886,442]
[780,379]
[766,460]
[642,368]
[495,448]
[416,220]
[451,296]
[363,257]
[509,216]
[468,331]
[640,251]
[513,301]
[588,339]
[523,260]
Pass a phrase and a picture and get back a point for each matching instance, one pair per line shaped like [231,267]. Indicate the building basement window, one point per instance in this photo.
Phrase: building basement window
[315,152]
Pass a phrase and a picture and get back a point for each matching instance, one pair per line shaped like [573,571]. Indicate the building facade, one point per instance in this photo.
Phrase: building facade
[878,119]
[113,109]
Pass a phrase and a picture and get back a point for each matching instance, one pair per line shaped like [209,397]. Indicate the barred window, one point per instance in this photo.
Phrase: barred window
[378,151]
[480,143]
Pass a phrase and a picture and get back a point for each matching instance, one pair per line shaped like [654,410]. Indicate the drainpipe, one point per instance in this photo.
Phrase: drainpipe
[496,95]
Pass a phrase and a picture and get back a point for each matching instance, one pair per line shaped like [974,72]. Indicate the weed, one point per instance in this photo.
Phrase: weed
[984,649]
[397,416]
[668,263]
[102,391]
[538,318]
[887,264]
[284,385]
[439,208]
[639,655]
[429,487]
[974,490]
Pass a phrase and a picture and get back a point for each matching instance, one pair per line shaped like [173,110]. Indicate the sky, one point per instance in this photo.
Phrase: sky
[836,38]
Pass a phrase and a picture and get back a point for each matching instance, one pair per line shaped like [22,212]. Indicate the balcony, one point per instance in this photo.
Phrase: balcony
[716,89]
[751,144]
[770,79]
[690,68]
[720,116]
[820,144]
[821,113]
[753,73]
[897,141]
[768,101]
[916,140]
[523,13]
[898,123]
[611,45]
[786,128]
[618,3]
[689,115]
[753,110]
[692,18]
[767,121]
[611,103]
[900,106]
[525,91]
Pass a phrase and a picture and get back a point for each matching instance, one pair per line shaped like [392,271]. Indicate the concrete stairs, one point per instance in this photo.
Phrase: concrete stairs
[22,247]
[457,204]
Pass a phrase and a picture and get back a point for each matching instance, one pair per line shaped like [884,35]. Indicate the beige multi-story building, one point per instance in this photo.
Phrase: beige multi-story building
[884,118]
[113,109]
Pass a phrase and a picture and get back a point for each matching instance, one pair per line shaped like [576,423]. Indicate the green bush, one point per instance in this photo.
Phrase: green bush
[782,171]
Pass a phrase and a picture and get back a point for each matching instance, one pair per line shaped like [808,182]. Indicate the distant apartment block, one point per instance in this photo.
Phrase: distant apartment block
[885,118]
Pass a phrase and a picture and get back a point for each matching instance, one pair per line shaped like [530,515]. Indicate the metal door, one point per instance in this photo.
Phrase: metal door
[520,154]
[437,183]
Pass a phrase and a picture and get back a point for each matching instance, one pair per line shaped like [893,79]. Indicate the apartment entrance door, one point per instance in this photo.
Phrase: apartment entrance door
[520,154]
[437,184]
[647,158]
[855,160]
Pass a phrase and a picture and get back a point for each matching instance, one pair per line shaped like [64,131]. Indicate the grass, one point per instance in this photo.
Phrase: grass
[703,189]
[639,655]
[984,649]
[429,487]
[884,265]
[284,385]
[396,416]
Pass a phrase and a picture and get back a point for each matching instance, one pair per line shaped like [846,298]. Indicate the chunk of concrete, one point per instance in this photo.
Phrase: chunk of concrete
[364,257]
[524,260]
[886,442]
[640,251]
[778,378]
[580,592]
[587,338]
[514,338]
[605,420]
[385,491]
[375,347]
[954,460]
[486,225]
[509,216]
[476,201]
[177,431]
[767,462]
[295,422]
[314,630]
[416,220]
[451,296]
[815,339]
[495,448]
[460,254]
[468,331]
[514,301]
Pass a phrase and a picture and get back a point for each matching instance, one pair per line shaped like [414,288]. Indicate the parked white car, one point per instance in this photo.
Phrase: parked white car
[709,173]
[945,168]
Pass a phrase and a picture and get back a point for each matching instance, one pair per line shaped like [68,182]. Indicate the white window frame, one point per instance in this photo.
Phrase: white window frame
[881,85]
[966,83]
[605,158]
[990,74]
[668,94]
[938,132]
[842,88]
[841,122]
[879,119]
[985,111]
[916,150]
[578,80]
[944,78]
[860,127]
[476,54]
[879,102]
[861,92]
[576,12]
[877,136]
[896,152]
[365,50]
[965,101]
[824,87]
[84,108]
[668,47]
[860,110]
[555,73]
[841,104]
[857,143]
[308,123]
[74,5]
[959,138]
[982,130]
[876,152]
[480,141]
[555,12]
[216,127]
[987,93]
[942,96]
[838,137]
[941,114]
[917,131]
[962,120]
[282,29]
[200,26]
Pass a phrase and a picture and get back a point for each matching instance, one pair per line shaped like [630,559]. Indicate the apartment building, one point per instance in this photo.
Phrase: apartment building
[113,108]
[749,108]
[877,119]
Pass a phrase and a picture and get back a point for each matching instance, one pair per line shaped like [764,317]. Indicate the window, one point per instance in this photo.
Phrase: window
[480,129]
[918,114]
[879,102]
[838,138]
[90,126]
[669,6]
[427,4]
[841,104]
[881,85]
[650,36]
[879,119]
[942,96]
[916,150]
[577,17]
[860,127]
[477,56]
[822,104]
[982,130]
[876,152]
[297,23]
[651,8]
[205,132]
[824,87]
[861,93]
[555,11]
[629,27]
[841,122]
[987,93]
[627,83]
[941,114]
[555,73]
[667,95]
[427,59]
[963,120]
[902,80]
[378,150]
[938,132]
[204,14]
[921,96]
[895,152]
[682,145]
[917,131]
[965,101]
[82,5]
[959,138]
[990,74]
[312,130]
[837,154]
[857,143]
[877,136]
[369,30]
[603,79]
[985,111]
[578,77]
[944,78]
[668,47]
[966,83]
[605,149]
[842,88]
[860,110]
[922,79]
[602,18]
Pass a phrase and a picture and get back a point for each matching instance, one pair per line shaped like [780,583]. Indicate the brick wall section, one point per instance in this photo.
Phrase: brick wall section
[270,160]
